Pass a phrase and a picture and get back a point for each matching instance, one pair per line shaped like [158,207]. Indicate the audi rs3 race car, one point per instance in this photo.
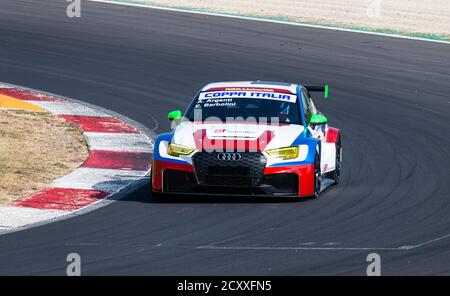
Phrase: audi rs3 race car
[248,138]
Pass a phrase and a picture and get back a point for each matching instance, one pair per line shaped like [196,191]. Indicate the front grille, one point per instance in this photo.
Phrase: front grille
[245,172]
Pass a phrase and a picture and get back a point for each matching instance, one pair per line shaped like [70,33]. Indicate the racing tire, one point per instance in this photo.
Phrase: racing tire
[336,174]
[317,176]
[155,195]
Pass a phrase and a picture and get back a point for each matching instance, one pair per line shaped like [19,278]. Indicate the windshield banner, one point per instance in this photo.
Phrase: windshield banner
[248,94]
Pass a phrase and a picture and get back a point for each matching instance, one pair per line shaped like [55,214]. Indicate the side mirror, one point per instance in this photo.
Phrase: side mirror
[175,114]
[318,119]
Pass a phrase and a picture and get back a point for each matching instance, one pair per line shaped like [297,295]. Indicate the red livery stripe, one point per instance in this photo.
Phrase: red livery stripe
[100,124]
[305,175]
[61,199]
[118,160]
[332,135]
[158,170]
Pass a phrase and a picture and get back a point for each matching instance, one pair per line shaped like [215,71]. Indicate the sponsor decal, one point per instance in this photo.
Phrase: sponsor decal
[249,89]
[248,94]
[234,133]
[263,89]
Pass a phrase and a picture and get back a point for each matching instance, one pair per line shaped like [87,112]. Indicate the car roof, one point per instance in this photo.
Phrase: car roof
[281,86]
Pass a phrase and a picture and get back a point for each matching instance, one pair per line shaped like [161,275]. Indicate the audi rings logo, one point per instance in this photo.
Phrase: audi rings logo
[229,156]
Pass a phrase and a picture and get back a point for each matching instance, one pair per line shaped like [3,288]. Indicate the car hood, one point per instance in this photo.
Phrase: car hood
[226,136]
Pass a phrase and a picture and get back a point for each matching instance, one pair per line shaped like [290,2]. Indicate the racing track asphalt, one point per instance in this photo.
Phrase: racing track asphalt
[389,96]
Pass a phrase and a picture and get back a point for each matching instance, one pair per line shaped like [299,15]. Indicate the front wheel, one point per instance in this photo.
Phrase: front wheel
[155,195]
[317,176]
[336,175]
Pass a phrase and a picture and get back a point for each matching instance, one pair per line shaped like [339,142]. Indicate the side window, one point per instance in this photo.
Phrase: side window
[312,106]
[306,102]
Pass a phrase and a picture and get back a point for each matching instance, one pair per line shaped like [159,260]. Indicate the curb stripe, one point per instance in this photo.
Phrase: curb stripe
[7,102]
[119,142]
[97,179]
[100,124]
[62,199]
[118,160]
[120,156]
[68,108]
[13,217]
[25,95]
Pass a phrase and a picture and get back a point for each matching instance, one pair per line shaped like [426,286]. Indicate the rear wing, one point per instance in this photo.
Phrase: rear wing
[321,88]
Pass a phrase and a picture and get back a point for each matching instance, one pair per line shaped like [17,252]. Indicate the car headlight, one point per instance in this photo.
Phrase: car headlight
[177,150]
[284,153]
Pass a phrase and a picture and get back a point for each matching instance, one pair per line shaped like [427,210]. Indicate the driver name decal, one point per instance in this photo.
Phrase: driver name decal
[248,94]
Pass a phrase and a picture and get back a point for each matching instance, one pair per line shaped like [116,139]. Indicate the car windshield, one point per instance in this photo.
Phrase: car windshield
[259,110]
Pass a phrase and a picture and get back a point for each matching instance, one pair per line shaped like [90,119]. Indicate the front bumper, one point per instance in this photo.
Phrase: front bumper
[295,180]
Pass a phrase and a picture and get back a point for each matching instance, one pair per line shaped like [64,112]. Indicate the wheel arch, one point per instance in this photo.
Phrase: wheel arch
[333,134]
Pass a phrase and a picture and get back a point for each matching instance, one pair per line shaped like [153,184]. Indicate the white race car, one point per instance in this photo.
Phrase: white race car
[248,138]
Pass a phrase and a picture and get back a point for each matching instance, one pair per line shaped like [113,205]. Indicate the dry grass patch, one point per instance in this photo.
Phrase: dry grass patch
[35,149]
[429,18]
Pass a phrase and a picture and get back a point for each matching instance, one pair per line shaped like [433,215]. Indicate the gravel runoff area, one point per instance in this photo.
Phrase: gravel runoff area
[35,149]
[430,18]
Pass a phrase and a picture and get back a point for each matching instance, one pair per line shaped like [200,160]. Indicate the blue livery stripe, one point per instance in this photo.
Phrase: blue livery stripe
[157,156]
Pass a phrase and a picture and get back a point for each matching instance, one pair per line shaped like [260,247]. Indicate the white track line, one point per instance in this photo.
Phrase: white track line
[294,248]
[269,21]
[428,242]
[297,248]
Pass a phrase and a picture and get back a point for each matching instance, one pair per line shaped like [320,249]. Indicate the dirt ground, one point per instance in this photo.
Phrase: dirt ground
[35,149]
[405,16]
